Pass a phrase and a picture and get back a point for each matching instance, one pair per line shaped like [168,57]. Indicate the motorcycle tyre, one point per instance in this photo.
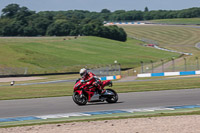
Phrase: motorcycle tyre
[109,100]
[78,102]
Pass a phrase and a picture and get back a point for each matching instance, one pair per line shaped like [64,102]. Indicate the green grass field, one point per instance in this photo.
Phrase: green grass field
[60,54]
[180,38]
[57,52]
[190,21]
[176,37]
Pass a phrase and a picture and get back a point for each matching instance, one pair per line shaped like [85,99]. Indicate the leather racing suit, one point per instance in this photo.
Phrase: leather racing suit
[91,79]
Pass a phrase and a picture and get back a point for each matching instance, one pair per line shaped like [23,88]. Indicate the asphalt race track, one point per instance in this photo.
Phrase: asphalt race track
[57,105]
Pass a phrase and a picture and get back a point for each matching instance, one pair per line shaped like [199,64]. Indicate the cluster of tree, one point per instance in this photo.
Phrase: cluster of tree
[20,21]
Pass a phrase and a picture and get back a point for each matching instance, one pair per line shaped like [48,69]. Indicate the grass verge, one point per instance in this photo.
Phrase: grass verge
[102,117]
[66,88]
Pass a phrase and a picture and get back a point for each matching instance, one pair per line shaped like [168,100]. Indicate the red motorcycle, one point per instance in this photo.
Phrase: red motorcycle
[84,93]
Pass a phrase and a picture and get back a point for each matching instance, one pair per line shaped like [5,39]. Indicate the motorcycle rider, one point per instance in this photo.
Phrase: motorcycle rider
[91,79]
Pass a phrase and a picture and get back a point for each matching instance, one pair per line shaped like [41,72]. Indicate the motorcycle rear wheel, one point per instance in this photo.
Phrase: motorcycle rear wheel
[78,99]
[112,99]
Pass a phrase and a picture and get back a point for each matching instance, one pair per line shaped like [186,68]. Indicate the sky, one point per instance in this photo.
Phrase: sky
[98,5]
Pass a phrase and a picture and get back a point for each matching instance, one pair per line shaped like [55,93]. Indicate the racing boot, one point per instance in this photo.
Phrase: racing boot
[103,91]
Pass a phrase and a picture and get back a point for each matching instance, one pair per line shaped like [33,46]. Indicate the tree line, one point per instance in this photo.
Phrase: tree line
[20,21]
[122,15]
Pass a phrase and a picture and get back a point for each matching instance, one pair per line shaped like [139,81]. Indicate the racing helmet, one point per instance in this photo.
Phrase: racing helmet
[83,72]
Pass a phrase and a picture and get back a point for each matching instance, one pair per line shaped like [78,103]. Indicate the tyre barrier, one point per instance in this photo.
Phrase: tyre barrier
[111,77]
[169,74]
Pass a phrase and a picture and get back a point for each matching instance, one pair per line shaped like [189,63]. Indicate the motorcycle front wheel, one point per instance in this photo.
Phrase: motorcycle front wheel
[114,98]
[79,99]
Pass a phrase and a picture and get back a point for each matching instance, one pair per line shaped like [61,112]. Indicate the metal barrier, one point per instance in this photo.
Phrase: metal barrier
[108,70]
[103,70]
[172,65]
[13,70]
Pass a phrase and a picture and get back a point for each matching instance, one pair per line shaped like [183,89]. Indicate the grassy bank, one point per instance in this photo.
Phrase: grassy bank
[62,54]
[180,38]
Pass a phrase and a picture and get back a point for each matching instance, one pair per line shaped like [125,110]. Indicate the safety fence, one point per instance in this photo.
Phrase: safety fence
[170,65]
[100,70]
[13,70]
[108,70]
